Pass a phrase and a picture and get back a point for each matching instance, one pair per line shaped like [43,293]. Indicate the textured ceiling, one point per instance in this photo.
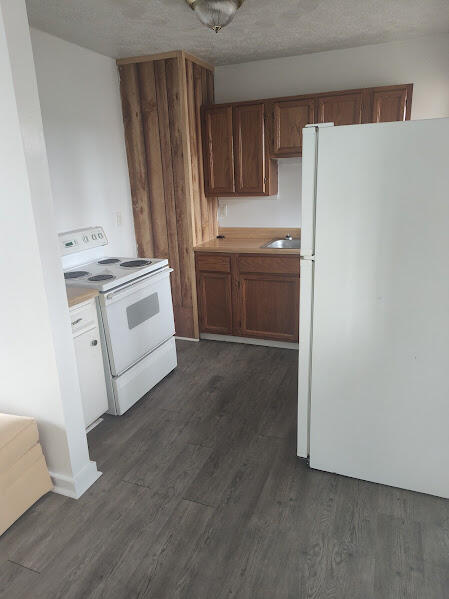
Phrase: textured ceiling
[261,28]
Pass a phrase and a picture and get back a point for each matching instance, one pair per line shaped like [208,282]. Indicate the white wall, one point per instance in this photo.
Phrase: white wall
[423,61]
[282,210]
[38,375]
[81,110]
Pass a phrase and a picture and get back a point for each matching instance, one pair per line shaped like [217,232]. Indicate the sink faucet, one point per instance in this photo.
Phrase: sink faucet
[288,236]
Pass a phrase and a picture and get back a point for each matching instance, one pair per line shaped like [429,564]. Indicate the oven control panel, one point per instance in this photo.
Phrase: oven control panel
[81,239]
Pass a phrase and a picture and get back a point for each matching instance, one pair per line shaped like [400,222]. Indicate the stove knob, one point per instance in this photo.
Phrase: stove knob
[94,342]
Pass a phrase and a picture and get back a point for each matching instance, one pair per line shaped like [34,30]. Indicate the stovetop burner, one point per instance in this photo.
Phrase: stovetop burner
[101,278]
[109,261]
[106,272]
[135,263]
[75,274]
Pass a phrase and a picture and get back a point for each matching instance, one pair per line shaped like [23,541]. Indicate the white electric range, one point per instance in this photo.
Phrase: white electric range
[135,314]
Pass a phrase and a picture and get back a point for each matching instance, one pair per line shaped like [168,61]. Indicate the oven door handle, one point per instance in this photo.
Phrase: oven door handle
[140,283]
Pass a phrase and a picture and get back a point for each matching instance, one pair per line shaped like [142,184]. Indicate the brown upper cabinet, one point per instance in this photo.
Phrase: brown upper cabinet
[289,119]
[219,151]
[249,148]
[237,158]
[245,130]
[391,103]
[341,108]
[372,105]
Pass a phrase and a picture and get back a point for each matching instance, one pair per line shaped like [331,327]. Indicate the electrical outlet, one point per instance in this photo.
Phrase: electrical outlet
[118,219]
[223,210]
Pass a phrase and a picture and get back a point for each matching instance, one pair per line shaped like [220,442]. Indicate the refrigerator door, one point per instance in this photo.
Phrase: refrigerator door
[305,348]
[380,353]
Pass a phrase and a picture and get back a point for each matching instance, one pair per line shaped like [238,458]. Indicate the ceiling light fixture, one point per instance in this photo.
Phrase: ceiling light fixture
[215,14]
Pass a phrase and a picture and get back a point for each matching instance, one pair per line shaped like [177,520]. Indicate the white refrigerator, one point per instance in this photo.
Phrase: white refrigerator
[374,309]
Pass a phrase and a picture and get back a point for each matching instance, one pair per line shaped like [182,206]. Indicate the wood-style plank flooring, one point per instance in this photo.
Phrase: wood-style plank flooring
[202,497]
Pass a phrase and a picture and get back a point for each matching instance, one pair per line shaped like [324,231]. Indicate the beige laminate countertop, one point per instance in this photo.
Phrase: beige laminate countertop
[77,295]
[242,246]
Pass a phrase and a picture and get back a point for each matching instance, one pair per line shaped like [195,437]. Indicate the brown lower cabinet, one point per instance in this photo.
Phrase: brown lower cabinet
[215,302]
[249,295]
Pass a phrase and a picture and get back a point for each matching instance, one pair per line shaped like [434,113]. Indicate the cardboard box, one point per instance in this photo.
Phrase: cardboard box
[24,476]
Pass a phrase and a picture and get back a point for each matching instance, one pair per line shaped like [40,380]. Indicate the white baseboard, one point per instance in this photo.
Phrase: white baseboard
[75,486]
[250,341]
[186,339]
[94,424]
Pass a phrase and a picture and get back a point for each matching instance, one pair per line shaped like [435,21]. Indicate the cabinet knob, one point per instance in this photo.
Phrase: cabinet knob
[94,342]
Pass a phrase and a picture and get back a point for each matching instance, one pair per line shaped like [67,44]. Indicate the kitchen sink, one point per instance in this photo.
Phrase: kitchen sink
[283,244]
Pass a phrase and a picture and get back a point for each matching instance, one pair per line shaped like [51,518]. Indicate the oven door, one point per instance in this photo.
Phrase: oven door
[137,318]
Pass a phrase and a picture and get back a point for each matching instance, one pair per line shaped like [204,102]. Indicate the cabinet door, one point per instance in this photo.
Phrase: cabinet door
[249,149]
[91,375]
[290,118]
[214,302]
[269,307]
[340,108]
[218,150]
[389,105]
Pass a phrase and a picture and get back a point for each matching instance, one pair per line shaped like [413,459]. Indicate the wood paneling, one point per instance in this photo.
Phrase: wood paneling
[289,119]
[135,150]
[340,108]
[219,151]
[200,91]
[154,160]
[181,218]
[181,54]
[161,101]
[196,170]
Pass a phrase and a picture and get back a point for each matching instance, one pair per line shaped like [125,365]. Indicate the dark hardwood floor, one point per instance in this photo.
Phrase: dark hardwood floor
[202,497]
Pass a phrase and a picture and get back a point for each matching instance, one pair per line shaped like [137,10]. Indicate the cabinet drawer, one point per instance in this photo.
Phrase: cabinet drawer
[213,263]
[83,316]
[269,264]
